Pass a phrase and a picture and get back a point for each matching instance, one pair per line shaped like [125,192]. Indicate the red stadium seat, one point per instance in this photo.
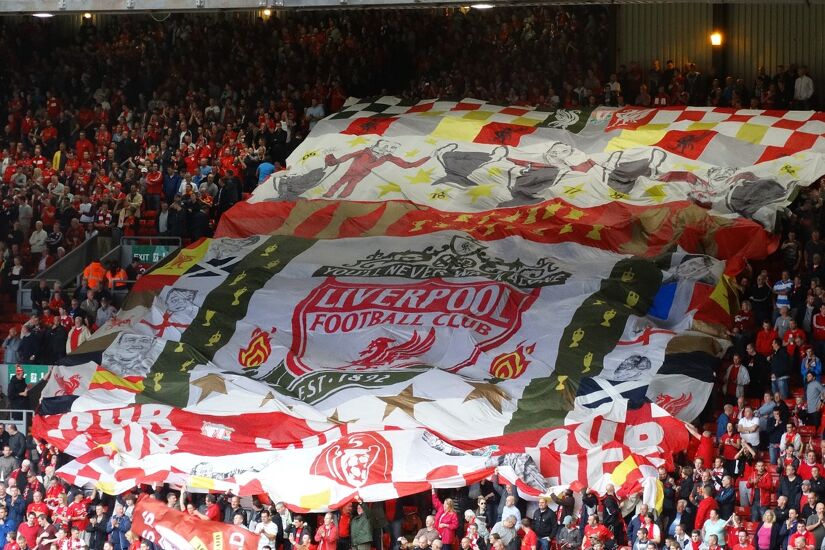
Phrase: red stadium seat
[743,511]
[751,527]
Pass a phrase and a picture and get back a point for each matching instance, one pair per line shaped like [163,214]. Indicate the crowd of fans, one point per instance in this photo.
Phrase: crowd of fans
[146,127]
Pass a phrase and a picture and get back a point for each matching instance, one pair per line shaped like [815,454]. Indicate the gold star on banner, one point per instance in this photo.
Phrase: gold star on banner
[209,384]
[568,228]
[411,153]
[572,190]
[404,401]
[335,418]
[464,218]
[655,192]
[431,141]
[422,176]
[550,210]
[685,166]
[596,232]
[489,229]
[494,171]
[267,398]
[494,395]
[574,214]
[418,226]
[479,191]
[388,188]
[358,140]
[512,218]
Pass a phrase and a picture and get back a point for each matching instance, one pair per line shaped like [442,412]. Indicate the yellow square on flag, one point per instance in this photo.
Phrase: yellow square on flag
[702,126]
[457,129]
[524,121]
[649,134]
[200,482]
[186,258]
[752,133]
[478,115]
[317,500]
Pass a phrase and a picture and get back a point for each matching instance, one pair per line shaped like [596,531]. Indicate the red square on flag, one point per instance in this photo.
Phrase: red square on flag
[369,125]
[517,111]
[420,108]
[499,133]
[687,143]
[739,118]
[800,141]
[772,152]
[462,106]
[695,116]
[788,124]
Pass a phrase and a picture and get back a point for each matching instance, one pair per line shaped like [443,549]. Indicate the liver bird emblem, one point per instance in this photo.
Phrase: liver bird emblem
[385,351]
[67,386]
[673,405]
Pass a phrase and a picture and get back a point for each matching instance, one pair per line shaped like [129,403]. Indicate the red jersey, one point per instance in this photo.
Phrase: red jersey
[764,338]
[599,530]
[77,513]
[38,508]
[53,107]
[48,134]
[529,540]
[213,512]
[729,443]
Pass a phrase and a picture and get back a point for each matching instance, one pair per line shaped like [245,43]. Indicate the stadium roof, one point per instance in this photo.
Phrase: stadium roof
[137,6]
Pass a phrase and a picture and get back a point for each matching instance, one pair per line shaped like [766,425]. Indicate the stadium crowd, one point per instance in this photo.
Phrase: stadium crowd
[146,127]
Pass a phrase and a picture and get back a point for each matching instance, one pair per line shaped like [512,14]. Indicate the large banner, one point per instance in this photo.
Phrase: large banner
[171,529]
[330,356]
[473,156]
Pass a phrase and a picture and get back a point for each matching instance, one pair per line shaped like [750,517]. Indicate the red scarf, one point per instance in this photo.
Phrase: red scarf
[734,375]
[74,337]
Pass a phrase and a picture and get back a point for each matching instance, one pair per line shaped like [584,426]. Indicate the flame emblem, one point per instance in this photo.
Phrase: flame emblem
[257,351]
[508,366]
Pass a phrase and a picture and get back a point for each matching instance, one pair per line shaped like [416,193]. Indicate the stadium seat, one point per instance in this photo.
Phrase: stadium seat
[743,511]
[751,526]
[807,432]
